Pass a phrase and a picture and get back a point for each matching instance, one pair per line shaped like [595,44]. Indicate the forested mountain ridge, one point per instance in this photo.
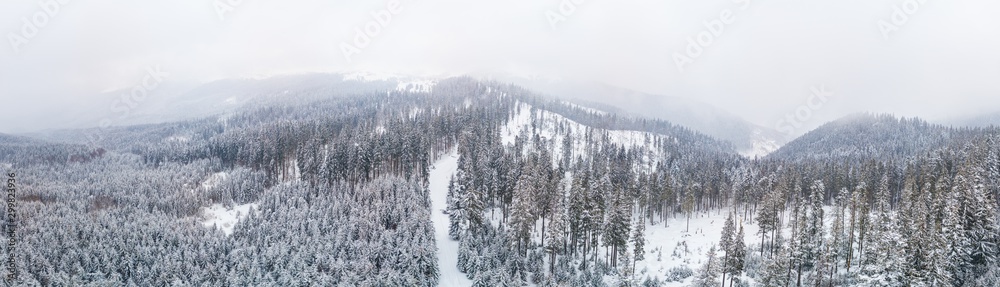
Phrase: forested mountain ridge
[747,138]
[335,190]
[133,194]
[865,136]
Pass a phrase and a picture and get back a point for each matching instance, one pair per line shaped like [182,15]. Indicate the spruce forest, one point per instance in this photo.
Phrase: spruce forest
[483,183]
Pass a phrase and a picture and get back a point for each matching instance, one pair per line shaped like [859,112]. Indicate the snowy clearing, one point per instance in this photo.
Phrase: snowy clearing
[440,176]
[549,124]
[225,219]
[416,86]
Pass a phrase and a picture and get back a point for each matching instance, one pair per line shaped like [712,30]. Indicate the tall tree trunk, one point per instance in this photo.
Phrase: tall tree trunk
[552,263]
[798,282]
[762,243]
[688,228]
[543,233]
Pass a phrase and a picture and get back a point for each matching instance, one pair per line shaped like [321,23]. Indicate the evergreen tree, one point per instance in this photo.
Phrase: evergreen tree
[813,246]
[708,275]
[556,238]
[638,242]
[776,269]
[726,244]
[737,257]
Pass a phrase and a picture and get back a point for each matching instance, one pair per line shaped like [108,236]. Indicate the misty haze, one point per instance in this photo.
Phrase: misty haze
[504,143]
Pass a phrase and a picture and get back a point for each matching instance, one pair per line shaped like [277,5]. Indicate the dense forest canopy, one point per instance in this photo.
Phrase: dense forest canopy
[545,192]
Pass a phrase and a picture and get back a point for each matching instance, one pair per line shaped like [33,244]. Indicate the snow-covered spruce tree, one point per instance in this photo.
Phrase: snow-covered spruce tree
[976,216]
[708,275]
[557,234]
[776,270]
[883,264]
[578,219]
[625,273]
[725,244]
[767,217]
[837,248]
[856,230]
[638,242]
[737,257]
[616,230]
[472,200]
[812,248]
[798,245]
[455,211]
[522,217]
[934,232]
[912,216]
[688,207]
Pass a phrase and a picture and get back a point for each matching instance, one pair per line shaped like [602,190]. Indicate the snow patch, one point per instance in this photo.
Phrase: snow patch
[416,86]
[761,146]
[225,219]
[179,139]
[548,124]
[439,177]
[368,76]
[213,180]
[586,109]
[673,243]
[415,111]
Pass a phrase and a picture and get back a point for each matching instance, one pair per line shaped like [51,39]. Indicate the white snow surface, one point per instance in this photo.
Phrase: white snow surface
[548,123]
[589,110]
[368,76]
[416,86]
[662,243]
[440,176]
[213,180]
[225,219]
[761,146]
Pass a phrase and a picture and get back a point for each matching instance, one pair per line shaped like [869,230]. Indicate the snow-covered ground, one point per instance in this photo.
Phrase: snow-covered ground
[761,145]
[440,175]
[225,219]
[674,244]
[213,180]
[589,110]
[416,86]
[365,76]
[548,124]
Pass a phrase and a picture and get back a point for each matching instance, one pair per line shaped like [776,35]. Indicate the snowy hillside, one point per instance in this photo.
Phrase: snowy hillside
[760,146]
[554,129]
[458,182]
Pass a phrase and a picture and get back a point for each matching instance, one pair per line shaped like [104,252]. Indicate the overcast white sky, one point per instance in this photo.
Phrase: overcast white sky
[941,62]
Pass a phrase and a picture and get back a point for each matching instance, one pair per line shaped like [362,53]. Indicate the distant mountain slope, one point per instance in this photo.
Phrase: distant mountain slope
[747,138]
[869,136]
[979,120]
[12,139]
[170,101]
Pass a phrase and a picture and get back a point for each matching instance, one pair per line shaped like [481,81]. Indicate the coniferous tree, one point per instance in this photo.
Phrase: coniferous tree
[726,244]
[638,242]
[556,238]
[708,275]
[737,258]
[776,269]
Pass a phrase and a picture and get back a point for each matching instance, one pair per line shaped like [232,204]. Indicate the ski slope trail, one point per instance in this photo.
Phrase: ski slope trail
[440,175]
